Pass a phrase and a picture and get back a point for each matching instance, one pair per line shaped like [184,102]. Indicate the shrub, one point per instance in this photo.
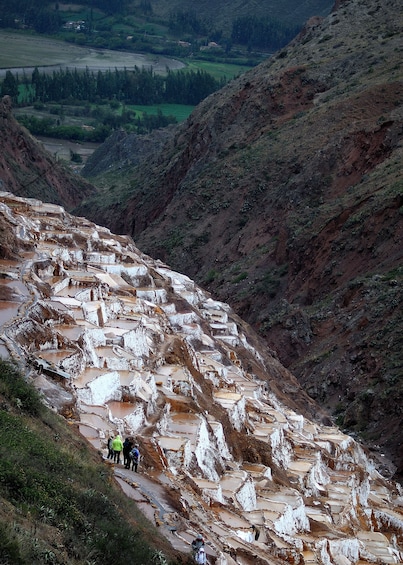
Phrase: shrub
[17,390]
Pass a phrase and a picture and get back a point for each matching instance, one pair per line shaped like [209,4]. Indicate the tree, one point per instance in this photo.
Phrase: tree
[10,86]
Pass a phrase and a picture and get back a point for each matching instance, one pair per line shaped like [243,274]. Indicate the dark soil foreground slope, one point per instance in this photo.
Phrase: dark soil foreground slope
[282,194]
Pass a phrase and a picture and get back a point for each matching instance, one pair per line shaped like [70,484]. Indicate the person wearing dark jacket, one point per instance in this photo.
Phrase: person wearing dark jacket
[197,543]
[127,447]
[110,448]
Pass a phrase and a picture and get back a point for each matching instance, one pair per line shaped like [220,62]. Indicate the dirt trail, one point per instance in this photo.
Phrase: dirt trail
[150,497]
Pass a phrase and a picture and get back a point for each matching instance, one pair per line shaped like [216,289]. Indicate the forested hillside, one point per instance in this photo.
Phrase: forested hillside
[265,26]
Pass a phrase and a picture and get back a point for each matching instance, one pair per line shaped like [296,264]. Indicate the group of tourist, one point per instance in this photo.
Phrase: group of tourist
[131,458]
[130,450]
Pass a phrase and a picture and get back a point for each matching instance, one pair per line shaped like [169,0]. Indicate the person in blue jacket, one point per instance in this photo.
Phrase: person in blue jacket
[135,457]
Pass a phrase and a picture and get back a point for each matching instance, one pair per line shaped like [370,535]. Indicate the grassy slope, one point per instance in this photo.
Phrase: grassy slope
[58,502]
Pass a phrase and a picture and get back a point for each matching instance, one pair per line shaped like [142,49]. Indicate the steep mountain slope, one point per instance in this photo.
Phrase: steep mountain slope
[282,194]
[28,170]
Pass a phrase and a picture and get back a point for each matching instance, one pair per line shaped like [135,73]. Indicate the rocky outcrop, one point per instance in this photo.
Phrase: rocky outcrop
[122,150]
[231,446]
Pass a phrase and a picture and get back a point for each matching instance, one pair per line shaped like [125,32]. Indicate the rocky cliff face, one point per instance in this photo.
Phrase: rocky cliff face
[232,448]
[282,195]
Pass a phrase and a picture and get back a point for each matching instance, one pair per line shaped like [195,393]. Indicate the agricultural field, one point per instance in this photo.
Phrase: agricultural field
[178,111]
[219,70]
[20,51]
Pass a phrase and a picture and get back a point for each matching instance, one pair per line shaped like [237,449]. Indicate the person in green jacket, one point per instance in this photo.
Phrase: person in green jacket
[117,446]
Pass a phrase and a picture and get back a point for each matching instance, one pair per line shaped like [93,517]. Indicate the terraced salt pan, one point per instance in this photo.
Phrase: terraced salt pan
[309,557]
[8,310]
[91,373]
[227,398]
[122,324]
[168,443]
[377,544]
[230,519]
[9,265]
[319,515]
[16,286]
[154,295]
[232,483]
[263,431]
[165,375]
[100,258]
[61,287]
[208,363]
[130,308]
[211,491]
[187,424]
[56,356]
[95,421]
[255,469]
[44,209]
[300,466]
[186,439]
[120,409]
[92,435]
[135,271]
[69,302]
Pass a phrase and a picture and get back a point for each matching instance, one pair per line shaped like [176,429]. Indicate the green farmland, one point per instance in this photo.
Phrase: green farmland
[178,111]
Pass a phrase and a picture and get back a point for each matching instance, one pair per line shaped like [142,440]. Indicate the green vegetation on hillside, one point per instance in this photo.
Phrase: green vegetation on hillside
[135,86]
[58,502]
[258,33]
[84,89]
[125,25]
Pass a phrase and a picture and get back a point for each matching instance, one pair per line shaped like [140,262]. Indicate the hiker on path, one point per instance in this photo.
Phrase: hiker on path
[127,447]
[117,446]
[135,457]
[197,543]
[110,448]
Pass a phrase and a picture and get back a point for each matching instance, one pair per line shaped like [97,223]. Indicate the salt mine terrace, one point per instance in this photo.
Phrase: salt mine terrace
[119,343]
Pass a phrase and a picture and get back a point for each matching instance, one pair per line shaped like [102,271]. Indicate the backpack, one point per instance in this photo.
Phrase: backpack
[134,455]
